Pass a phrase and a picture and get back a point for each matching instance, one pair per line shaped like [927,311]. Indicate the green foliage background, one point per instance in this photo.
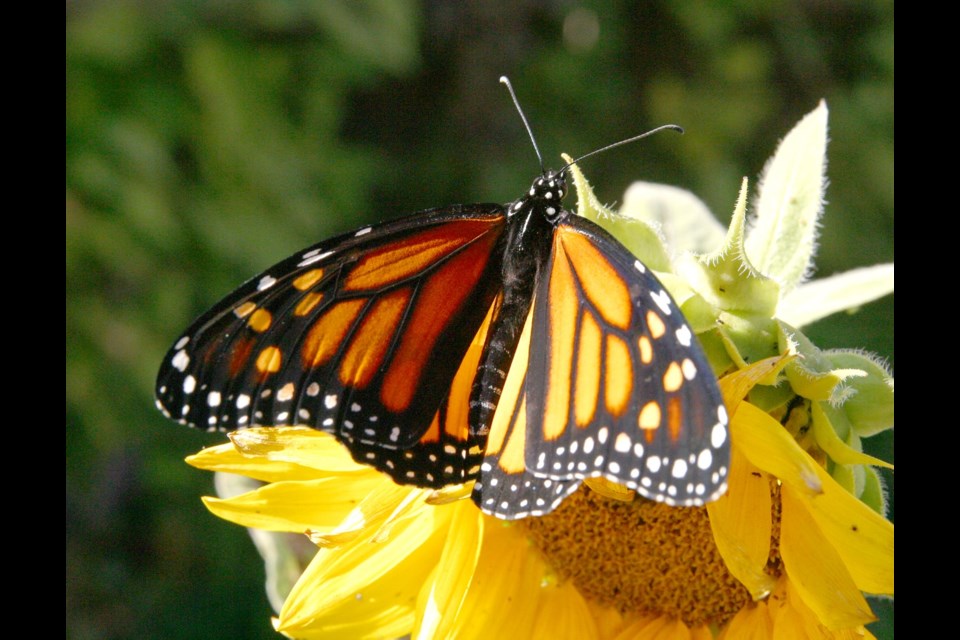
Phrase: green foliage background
[207,140]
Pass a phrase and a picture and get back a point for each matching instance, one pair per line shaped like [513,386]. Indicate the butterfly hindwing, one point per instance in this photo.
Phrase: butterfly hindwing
[360,336]
[617,384]
[506,488]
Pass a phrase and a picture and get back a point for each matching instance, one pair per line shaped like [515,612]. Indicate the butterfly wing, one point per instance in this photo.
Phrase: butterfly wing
[360,336]
[610,381]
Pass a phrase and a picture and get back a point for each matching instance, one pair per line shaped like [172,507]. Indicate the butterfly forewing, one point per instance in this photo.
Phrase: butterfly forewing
[622,388]
[360,336]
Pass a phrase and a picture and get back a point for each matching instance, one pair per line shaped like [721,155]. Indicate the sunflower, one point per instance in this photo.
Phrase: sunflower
[788,552]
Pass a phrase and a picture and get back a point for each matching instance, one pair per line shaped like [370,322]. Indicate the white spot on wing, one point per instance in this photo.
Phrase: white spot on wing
[679,468]
[662,299]
[213,399]
[189,384]
[705,459]
[684,336]
[180,360]
[266,282]
[362,232]
[330,401]
[182,342]
[718,435]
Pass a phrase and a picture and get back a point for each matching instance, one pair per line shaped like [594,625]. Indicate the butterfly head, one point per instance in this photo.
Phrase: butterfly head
[546,194]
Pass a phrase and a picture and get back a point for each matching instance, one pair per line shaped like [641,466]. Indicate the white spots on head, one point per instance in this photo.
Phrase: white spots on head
[189,384]
[330,401]
[705,460]
[662,300]
[266,282]
[679,468]
[551,210]
[363,232]
[685,336]
[313,389]
[622,443]
[639,266]
[243,401]
[213,399]
[180,360]
[285,394]
[689,369]
[718,435]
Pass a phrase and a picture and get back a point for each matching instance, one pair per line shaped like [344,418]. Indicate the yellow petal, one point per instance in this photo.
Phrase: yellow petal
[226,458]
[610,489]
[767,445]
[296,505]
[507,578]
[753,622]
[735,386]
[609,620]
[816,570]
[367,588]
[861,535]
[563,614]
[299,445]
[741,524]
[442,595]
[863,538]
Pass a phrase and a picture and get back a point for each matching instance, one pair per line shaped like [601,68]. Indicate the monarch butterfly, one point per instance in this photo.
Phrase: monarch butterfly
[517,345]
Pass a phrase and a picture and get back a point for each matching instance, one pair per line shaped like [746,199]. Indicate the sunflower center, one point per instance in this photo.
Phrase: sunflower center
[640,556]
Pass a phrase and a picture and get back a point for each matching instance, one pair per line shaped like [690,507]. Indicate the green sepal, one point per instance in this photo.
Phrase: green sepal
[726,279]
[866,400]
[637,236]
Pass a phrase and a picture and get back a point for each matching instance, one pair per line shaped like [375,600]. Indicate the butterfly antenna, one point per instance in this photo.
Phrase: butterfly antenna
[506,81]
[671,127]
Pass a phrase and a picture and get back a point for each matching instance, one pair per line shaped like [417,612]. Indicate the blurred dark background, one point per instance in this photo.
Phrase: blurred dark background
[207,140]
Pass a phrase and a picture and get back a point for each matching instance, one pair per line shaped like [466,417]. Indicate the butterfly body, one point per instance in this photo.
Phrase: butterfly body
[517,345]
